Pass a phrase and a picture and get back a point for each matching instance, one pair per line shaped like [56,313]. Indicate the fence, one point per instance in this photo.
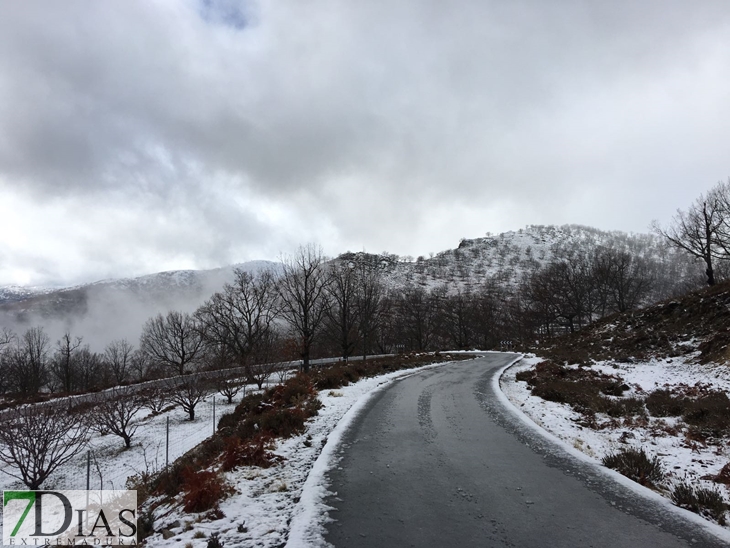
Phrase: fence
[159,438]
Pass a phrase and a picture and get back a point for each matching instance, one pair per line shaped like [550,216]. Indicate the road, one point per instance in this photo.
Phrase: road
[436,460]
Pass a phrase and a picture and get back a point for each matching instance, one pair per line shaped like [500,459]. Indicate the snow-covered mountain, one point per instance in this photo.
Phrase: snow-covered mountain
[505,259]
[117,308]
[110,309]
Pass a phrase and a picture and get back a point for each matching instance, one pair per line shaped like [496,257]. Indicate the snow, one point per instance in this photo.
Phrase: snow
[682,461]
[265,500]
[111,464]
[284,504]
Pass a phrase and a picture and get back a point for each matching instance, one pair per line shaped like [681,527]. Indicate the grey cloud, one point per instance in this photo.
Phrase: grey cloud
[375,116]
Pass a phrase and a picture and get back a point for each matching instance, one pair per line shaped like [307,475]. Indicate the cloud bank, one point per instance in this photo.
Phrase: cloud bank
[144,136]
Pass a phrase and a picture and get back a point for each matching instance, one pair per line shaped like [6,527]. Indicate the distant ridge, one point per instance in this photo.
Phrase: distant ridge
[117,308]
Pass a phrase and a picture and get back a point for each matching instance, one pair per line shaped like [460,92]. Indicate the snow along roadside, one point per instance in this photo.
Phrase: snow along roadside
[281,504]
[542,429]
[310,515]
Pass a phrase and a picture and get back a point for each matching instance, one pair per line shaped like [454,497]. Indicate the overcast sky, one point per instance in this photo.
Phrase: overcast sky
[139,136]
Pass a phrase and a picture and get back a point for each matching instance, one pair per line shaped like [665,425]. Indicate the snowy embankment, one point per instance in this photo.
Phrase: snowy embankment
[284,503]
[682,458]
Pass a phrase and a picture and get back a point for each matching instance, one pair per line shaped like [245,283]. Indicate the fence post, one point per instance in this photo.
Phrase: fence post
[214,415]
[88,483]
[167,442]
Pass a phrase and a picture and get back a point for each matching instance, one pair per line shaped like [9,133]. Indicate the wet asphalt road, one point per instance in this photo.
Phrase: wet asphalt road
[435,460]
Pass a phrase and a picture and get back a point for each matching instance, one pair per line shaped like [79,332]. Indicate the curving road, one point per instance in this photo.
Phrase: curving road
[437,460]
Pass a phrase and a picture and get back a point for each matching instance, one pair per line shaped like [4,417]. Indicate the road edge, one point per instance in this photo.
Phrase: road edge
[307,525]
[712,528]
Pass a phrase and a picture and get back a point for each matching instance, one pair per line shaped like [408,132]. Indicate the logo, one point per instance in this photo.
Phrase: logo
[70,518]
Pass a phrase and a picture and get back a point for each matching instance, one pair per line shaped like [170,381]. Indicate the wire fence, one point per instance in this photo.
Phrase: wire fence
[158,442]
[159,437]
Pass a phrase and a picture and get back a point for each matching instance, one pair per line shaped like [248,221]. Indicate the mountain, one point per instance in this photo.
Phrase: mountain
[505,259]
[112,309]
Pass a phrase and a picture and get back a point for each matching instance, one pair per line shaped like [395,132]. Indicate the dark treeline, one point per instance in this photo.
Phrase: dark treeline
[343,307]
[350,307]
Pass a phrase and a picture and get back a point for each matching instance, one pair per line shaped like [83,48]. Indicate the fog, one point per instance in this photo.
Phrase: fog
[107,311]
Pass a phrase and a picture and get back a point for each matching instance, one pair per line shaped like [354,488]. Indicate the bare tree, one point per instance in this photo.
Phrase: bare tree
[28,362]
[457,312]
[7,339]
[238,322]
[173,341]
[139,365]
[115,411]
[230,388]
[118,357]
[156,398]
[342,317]
[188,392]
[36,442]
[263,360]
[64,363]
[701,229]
[564,292]
[418,317]
[302,289]
[370,299]
[91,374]
[624,279]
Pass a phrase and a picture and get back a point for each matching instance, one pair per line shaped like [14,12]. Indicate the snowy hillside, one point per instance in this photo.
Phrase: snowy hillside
[506,258]
[111,309]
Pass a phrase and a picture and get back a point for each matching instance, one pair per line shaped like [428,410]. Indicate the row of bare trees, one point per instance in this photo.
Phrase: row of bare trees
[29,363]
[573,291]
[316,307]
[36,441]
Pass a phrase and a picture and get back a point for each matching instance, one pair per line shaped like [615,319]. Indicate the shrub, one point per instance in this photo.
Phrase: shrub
[335,377]
[202,490]
[662,403]
[295,389]
[145,524]
[248,453]
[636,465]
[283,423]
[712,504]
[724,475]
[614,388]
[709,414]
[248,405]
[700,500]
[625,407]
[683,495]
[214,541]
[582,388]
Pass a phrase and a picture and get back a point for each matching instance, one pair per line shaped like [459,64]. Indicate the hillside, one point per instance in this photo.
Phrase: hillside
[112,309]
[644,393]
[506,258]
[696,325]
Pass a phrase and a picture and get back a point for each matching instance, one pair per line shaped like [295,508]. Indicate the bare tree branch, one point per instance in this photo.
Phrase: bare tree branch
[36,442]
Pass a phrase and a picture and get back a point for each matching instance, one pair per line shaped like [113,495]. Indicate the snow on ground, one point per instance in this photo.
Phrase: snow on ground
[285,502]
[111,464]
[682,460]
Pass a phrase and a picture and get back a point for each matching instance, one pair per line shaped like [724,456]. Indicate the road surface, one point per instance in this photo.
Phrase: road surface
[436,460]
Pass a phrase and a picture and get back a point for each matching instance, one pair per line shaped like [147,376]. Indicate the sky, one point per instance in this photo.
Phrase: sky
[139,136]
